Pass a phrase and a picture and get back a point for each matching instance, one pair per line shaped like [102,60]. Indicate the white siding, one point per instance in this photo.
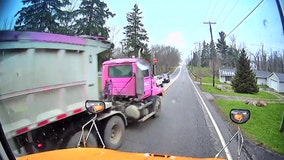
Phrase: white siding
[261,81]
[273,82]
[222,79]
[274,85]
[281,87]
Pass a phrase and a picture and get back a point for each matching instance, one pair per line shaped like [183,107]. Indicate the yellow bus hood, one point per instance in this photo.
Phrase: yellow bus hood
[101,154]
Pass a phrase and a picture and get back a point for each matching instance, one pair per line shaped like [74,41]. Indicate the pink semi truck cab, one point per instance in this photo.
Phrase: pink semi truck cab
[129,78]
[130,85]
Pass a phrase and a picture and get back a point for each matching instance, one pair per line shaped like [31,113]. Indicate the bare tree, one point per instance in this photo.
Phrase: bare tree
[7,24]
[262,59]
[168,58]
[113,34]
[117,53]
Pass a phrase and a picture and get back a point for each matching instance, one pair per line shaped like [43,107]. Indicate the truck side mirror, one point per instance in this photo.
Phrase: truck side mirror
[240,116]
[94,106]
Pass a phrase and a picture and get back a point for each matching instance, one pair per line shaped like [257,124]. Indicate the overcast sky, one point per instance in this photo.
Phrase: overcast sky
[179,23]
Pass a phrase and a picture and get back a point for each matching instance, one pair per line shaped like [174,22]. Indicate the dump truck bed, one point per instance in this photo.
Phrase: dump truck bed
[45,78]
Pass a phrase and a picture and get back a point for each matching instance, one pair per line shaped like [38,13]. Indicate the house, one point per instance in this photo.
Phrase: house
[261,77]
[276,81]
[226,74]
[272,80]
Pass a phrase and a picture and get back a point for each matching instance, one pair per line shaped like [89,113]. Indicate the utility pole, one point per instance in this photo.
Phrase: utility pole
[212,50]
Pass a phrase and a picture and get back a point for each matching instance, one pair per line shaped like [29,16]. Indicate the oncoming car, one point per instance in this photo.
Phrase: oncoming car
[159,80]
[166,78]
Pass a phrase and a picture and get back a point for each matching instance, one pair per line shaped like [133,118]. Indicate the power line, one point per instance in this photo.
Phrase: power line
[222,11]
[207,10]
[245,18]
[213,10]
[263,44]
[228,15]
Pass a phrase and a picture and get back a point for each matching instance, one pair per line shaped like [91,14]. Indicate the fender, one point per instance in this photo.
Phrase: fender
[158,91]
[102,116]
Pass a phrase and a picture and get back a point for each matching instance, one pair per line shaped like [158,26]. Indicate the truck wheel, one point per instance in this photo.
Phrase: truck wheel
[114,132]
[73,141]
[157,106]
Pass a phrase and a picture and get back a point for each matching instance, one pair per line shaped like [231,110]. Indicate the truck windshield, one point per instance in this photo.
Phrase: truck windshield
[120,71]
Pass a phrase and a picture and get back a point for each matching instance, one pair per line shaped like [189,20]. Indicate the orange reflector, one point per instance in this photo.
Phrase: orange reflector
[61,116]
[78,110]
[239,117]
[99,108]
[23,130]
[45,122]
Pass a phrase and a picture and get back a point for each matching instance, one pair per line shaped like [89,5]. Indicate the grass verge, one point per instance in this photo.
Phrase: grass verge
[260,94]
[264,125]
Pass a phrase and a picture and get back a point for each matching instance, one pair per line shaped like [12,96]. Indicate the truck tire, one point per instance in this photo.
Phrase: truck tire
[157,106]
[73,141]
[114,132]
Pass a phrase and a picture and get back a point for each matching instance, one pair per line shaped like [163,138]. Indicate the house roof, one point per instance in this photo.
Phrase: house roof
[227,72]
[262,74]
[231,72]
[280,76]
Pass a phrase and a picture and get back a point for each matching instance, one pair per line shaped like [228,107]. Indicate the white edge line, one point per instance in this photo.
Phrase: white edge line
[228,154]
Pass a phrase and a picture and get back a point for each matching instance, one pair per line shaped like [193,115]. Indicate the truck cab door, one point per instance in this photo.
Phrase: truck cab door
[147,83]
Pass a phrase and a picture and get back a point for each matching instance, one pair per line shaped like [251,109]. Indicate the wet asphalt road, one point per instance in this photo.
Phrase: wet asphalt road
[182,129]
[185,128]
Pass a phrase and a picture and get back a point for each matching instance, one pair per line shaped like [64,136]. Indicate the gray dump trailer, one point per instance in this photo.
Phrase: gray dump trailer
[45,81]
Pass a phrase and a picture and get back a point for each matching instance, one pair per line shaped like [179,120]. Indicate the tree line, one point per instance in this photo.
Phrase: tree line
[88,17]
[62,17]
[226,56]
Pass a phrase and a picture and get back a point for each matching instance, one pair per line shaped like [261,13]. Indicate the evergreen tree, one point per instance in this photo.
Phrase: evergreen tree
[222,48]
[147,53]
[67,20]
[233,55]
[205,55]
[93,15]
[136,35]
[244,80]
[195,58]
[40,15]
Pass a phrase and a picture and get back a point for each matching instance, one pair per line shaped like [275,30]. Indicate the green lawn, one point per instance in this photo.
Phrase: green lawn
[201,71]
[260,94]
[205,73]
[264,124]
[210,80]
